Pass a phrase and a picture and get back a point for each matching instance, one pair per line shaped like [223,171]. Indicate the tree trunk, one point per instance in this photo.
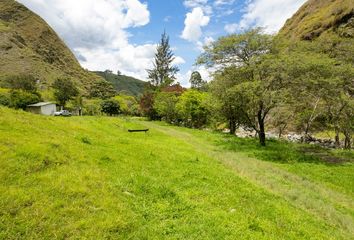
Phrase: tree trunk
[232,126]
[280,132]
[261,134]
[337,141]
[347,140]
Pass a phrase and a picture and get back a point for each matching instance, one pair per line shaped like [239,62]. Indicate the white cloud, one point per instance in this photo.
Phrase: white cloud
[269,14]
[194,22]
[97,32]
[178,61]
[223,2]
[203,4]
[231,28]
[183,78]
[207,41]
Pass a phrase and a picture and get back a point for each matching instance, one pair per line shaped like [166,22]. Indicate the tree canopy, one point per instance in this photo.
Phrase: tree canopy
[163,72]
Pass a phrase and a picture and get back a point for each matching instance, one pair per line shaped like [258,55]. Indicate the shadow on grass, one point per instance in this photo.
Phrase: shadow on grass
[285,152]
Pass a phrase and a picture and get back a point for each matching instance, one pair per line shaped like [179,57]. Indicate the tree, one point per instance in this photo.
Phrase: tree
[236,49]
[197,81]
[249,68]
[192,108]
[128,104]
[103,90]
[163,73]
[20,99]
[64,90]
[146,104]
[110,107]
[165,105]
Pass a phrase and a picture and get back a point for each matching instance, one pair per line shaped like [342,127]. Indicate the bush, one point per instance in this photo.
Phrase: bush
[192,108]
[110,107]
[165,105]
[92,107]
[4,97]
[128,105]
[21,99]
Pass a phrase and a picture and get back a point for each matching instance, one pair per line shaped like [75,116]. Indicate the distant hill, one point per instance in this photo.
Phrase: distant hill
[28,45]
[321,17]
[124,84]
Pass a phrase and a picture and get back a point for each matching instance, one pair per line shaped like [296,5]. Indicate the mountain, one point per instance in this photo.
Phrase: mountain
[318,18]
[29,46]
[124,84]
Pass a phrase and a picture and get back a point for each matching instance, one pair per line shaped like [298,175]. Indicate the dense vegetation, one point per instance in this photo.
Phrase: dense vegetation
[263,82]
[87,177]
[124,84]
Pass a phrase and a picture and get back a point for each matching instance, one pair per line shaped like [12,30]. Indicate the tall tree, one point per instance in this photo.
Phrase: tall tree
[248,68]
[197,81]
[64,90]
[163,72]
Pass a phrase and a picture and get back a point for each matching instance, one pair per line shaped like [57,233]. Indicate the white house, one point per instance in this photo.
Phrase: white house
[44,108]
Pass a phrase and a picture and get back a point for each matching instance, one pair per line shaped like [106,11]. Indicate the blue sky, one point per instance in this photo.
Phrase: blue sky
[122,34]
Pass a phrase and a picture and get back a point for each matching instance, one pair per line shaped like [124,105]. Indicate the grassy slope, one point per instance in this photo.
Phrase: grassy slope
[88,177]
[125,84]
[317,17]
[29,46]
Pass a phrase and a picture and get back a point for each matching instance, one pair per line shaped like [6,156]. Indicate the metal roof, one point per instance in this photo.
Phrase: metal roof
[40,104]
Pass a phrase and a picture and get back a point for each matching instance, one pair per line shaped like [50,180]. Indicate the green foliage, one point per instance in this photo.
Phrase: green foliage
[165,106]
[248,83]
[163,73]
[20,99]
[110,107]
[128,105]
[192,109]
[64,90]
[92,107]
[197,81]
[236,49]
[102,90]
[124,84]
[4,97]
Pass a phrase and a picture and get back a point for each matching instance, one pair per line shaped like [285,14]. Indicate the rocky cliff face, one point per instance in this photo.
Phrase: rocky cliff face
[29,46]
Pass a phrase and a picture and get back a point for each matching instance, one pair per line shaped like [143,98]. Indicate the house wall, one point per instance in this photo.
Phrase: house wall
[48,109]
[35,110]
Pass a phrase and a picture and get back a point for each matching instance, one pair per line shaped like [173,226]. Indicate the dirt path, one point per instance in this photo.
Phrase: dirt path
[333,207]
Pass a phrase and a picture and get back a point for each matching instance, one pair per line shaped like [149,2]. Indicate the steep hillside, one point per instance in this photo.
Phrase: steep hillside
[124,84]
[321,17]
[28,45]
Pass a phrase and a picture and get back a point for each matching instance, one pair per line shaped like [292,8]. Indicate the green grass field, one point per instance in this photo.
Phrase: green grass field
[88,178]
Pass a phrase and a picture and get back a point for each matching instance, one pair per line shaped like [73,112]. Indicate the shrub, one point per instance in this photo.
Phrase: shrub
[92,107]
[192,108]
[128,105]
[4,97]
[165,105]
[21,99]
[110,107]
